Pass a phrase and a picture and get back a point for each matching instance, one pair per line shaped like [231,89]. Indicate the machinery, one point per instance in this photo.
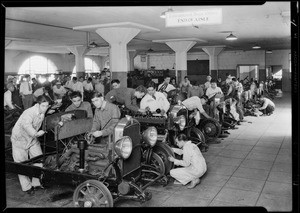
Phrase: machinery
[102,174]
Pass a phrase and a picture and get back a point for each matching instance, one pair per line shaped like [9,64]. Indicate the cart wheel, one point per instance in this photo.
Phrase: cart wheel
[196,136]
[158,163]
[92,193]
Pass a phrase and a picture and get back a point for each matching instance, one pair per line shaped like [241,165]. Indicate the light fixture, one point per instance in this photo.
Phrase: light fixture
[163,14]
[231,37]
[256,46]
[93,44]
[269,51]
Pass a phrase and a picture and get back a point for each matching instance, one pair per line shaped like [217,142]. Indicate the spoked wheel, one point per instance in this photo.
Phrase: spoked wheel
[92,193]
[164,151]
[157,163]
[210,128]
[198,138]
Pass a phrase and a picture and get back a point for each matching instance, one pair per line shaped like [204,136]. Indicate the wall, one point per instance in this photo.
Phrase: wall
[64,62]
[281,57]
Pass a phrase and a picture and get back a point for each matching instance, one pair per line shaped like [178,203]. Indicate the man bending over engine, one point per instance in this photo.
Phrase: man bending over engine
[194,103]
[77,103]
[155,100]
[267,107]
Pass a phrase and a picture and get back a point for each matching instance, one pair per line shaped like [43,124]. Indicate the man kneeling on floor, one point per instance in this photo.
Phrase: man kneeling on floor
[267,107]
[194,165]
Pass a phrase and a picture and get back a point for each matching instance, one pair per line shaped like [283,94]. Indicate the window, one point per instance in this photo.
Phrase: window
[90,66]
[37,65]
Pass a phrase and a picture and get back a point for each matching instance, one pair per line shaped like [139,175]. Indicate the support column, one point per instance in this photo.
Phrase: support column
[213,53]
[79,52]
[131,54]
[118,39]
[181,48]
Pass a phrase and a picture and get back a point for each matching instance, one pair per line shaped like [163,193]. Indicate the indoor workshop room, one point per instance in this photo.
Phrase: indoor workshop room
[150,106]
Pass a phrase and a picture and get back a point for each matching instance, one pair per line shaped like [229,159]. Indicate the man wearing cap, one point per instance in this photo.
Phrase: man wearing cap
[58,90]
[195,103]
[26,92]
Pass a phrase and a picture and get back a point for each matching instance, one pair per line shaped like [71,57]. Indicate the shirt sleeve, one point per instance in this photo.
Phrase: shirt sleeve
[96,123]
[115,116]
[143,102]
[264,106]
[187,157]
[166,104]
[89,110]
[130,103]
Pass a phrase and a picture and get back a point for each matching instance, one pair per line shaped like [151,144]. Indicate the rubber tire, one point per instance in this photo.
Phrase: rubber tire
[158,159]
[160,150]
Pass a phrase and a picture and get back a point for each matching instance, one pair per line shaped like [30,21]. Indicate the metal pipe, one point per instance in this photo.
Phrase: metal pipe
[81,146]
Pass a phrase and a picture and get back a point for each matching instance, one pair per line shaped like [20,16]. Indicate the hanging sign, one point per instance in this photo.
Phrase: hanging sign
[194,18]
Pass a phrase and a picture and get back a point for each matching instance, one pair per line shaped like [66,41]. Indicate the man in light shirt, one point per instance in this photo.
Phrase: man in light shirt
[267,107]
[58,90]
[155,100]
[165,86]
[8,104]
[99,87]
[207,83]
[26,92]
[213,89]
[195,103]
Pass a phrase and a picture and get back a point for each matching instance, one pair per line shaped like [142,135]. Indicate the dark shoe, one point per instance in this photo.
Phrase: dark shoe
[30,191]
[35,188]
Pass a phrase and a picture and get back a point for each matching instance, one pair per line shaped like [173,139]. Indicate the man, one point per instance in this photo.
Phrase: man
[195,90]
[195,103]
[106,82]
[26,92]
[211,93]
[8,103]
[43,91]
[155,100]
[88,89]
[58,90]
[128,97]
[16,97]
[99,87]
[193,164]
[77,86]
[77,103]
[165,86]
[207,83]
[213,89]
[115,84]
[185,85]
[106,118]
[25,143]
[35,84]
[267,107]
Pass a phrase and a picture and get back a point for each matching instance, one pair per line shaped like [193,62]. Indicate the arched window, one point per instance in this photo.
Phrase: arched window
[37,65]
[90,66]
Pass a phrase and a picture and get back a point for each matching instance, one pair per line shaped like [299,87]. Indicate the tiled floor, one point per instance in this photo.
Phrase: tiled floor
[251,167]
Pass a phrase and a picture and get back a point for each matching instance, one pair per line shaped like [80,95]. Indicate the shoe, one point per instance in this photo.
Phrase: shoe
[176,182]
[35,188]
[193,183]
[30,191]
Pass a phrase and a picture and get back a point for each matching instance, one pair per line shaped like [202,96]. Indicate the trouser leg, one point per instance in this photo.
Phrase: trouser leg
[181,175]
[20,155]
[34,151]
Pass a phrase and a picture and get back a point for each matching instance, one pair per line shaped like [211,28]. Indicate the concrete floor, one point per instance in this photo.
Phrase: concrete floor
[251,167]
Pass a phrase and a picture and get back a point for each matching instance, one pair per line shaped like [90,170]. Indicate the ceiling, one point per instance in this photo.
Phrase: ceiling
[50,29]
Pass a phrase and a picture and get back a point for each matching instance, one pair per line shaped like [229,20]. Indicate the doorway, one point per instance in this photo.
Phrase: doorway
[248,72]
[276,73]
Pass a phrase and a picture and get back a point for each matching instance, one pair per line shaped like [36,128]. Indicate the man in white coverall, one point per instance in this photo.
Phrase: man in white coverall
[155,100]
[194,165]
[24,140]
